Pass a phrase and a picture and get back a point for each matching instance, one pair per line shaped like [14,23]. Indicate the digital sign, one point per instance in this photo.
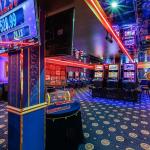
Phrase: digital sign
[99,67]
[129,67]
[98,74]
[113,67]
[113,75]
[18,20]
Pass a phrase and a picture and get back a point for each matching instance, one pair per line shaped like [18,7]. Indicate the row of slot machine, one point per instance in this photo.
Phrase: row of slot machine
[76,78]
[115,73]
[60,76]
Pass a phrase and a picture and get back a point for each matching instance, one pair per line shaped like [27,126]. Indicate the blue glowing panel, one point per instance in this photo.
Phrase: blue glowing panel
[18,20]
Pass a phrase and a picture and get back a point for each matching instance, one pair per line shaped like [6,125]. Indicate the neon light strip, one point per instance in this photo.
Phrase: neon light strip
[97,15]
[115,36]
[104,20]
[21,43]
[69,63]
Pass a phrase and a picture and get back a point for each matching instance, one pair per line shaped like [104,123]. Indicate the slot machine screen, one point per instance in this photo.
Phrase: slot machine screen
[98,67]
[129,75]
[113,67]
[17,23]
[47,77]
[98,74]
[129,33]
[82,74]
[113,75]
[70,74]
[76,74]
[129,67]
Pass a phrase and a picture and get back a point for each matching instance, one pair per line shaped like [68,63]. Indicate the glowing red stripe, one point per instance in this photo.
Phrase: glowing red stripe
[119,42]
[69,63]
[21,43]
[115,36]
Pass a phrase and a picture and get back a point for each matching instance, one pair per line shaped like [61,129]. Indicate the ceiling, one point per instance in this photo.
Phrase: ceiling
[123,14]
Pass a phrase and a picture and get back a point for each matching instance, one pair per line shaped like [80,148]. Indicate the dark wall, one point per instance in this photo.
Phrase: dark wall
[53,6]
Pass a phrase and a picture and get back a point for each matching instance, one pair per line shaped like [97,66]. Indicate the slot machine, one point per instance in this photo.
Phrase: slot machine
[113,76]
[77,79]
[129,75]
[129,72]
[82,79]
[98,76]
[129,82]
[70,79]
[77,75]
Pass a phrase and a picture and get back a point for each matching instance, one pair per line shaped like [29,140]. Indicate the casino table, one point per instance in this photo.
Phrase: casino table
[63,127]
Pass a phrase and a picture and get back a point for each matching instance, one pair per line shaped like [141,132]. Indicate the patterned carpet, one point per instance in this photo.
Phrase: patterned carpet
[107,124]
[3,126]
[114,125]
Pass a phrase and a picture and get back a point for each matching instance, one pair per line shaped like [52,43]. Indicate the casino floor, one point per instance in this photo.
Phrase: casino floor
[107,123]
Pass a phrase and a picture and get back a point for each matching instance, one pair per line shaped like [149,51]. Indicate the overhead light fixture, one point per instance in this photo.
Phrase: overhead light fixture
[114,4]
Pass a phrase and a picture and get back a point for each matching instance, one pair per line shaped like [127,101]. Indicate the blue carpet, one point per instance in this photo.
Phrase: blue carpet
[114,124]
[3,126]
[107,124]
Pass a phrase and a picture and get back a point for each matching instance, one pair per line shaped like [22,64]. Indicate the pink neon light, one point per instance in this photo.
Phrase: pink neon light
[118,40]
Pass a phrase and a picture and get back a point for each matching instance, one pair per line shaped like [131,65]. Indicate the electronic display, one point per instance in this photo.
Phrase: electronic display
[98,75]
[70,74]
[113,75]
[76,74]
[129,67]
[47,77]
[129,72]
[129,42]
[99,67]
[113,67]
[18,20]
[130,33]
[129,75]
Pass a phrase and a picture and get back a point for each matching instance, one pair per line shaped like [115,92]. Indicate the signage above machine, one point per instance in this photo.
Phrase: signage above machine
[113,67]
[18,20]
[129,66]
[99,67]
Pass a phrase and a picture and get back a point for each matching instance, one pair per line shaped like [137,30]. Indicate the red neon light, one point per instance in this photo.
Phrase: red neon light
[69,63]
[102,18]
[16,43]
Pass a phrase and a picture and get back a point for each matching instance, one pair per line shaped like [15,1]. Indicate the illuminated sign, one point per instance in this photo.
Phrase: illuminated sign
[113,67]
[129,67]
[99,67]
[18,20]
